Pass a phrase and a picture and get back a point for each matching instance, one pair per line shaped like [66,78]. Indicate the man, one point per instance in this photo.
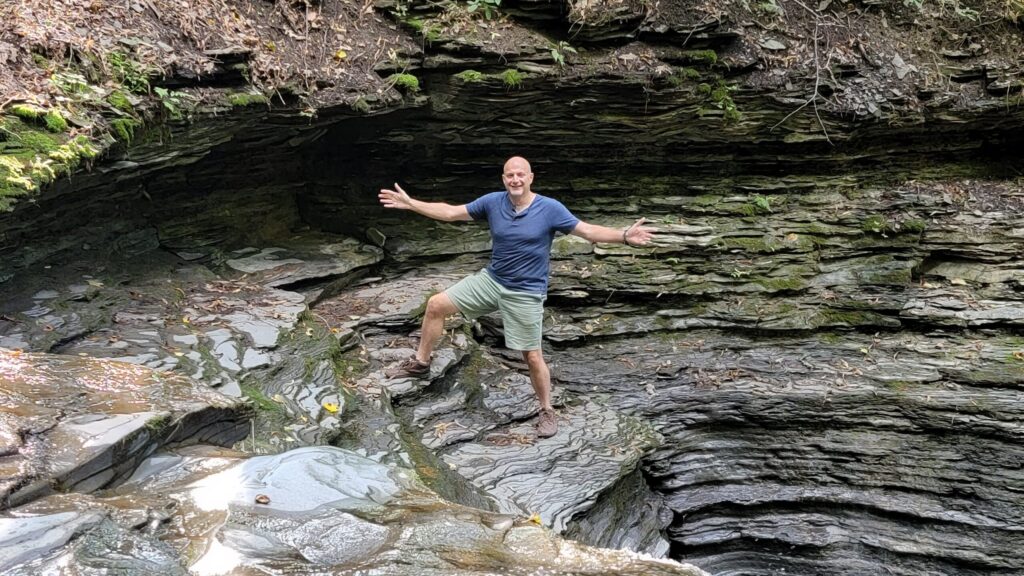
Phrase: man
[523,225]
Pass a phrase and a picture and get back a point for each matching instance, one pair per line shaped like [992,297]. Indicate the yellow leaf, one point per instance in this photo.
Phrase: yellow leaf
[331,407]
[958,282]
[95,283]
[535,518]
[340,55]
[185,320]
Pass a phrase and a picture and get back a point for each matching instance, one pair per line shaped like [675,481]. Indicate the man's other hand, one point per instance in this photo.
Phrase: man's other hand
[396,198]
[638,234]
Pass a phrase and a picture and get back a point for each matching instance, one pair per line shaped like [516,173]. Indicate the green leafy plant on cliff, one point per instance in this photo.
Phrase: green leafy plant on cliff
[720,96]
[559,51]
[132,75]
[176,104]
[489,7]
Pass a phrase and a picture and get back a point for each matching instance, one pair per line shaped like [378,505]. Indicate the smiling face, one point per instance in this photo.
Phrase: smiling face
[517,177]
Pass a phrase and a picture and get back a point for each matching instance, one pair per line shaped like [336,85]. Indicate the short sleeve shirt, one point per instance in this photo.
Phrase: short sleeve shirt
[521,256]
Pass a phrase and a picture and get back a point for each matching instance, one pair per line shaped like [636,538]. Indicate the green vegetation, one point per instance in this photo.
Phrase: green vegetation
[489,7]
[242,99]
[914,225]
[708,57]
[720,95]
[55,121]
[558,52]
[361,105]
[470,76]
[129,73]
[26,111]
[259,400]
[512,78]
[875,223]
[769,8]
[70,84]
[176,104]
[120,101]
[124,129]
[407,83]
[681,75]
[31,157]
[52,119]
[158,424]
[762,203]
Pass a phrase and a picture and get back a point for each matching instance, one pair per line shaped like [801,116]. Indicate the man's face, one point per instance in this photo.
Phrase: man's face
[517,177]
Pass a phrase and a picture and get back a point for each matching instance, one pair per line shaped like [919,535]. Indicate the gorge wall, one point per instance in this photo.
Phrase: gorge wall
[816,368]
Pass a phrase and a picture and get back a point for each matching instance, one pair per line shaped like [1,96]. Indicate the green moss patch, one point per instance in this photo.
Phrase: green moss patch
[470,76]
[512,78]
[242,99]
[31,157]
[120,101]
[124,129]
[406,83]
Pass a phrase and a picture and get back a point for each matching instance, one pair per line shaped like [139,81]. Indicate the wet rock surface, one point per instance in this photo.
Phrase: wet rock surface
[79,424]
[305,511]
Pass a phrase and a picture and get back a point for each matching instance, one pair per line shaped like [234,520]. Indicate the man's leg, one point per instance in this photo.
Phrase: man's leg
[439,307]
[540,377]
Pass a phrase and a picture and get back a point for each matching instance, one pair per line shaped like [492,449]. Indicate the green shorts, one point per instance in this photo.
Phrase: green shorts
[522,313]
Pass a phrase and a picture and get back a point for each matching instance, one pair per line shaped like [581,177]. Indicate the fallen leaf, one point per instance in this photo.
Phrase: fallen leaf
[262,499]
[958,282]
[340,55]
[331,407]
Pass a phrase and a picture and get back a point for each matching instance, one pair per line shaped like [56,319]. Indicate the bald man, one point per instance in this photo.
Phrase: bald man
[523,225]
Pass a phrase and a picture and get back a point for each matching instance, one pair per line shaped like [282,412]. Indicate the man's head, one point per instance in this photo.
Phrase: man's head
[517,176]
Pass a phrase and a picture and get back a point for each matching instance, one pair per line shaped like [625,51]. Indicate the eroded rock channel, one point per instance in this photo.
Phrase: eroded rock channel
[816,368]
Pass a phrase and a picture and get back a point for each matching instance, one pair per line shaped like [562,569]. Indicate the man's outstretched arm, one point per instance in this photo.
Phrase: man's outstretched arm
[397,198]
[635,235]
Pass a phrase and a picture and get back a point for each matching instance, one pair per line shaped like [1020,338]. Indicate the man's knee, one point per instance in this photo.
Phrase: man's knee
[440,306]
[534,358]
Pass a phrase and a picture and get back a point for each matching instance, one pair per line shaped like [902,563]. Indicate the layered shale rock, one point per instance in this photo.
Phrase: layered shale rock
[815,368]
[77,424]
[208,511]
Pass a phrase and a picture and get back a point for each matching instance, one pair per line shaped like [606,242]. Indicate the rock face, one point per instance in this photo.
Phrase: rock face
[76,424]
[815,368]
[306,511]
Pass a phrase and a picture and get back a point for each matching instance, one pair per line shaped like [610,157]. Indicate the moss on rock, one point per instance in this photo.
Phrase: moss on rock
[242,99]
[470,76]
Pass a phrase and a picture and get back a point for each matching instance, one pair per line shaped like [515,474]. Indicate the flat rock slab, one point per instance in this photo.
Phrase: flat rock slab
[560,476]
[303,259]
[77,424]
[307,511]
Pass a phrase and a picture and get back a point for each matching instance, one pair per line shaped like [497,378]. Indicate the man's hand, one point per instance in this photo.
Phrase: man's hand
[396,198]
[638,234]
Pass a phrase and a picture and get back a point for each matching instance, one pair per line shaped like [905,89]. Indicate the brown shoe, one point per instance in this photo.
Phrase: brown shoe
[547,423]
[411,368]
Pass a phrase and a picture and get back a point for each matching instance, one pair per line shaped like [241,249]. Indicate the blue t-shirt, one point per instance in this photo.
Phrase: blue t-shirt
[521,255]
